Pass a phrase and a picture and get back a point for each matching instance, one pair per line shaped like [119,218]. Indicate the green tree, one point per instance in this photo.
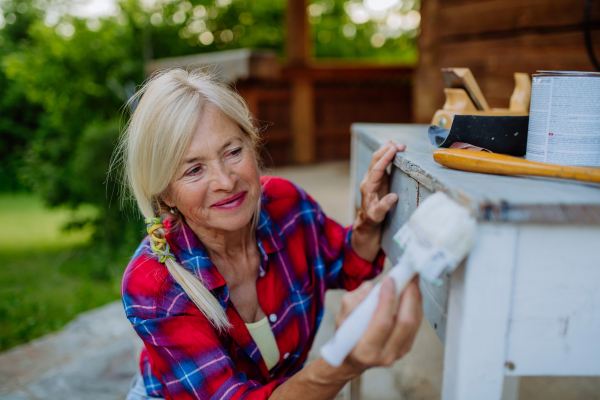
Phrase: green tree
[19,118]
[64,82]
[79,75]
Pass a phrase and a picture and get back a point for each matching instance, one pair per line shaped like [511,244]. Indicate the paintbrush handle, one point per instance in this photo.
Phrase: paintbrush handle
[491,163]
[354,326]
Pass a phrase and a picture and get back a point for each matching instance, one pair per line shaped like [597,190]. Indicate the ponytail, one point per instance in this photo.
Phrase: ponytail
[196,291]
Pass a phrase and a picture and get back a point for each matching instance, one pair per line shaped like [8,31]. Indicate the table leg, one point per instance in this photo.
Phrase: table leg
[355,388]
[478,314]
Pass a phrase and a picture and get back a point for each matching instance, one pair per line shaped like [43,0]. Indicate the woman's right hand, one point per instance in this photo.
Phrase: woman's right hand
[392,330]
[389,336]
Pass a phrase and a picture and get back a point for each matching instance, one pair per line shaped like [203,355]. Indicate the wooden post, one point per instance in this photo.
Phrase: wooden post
[298,40]
[303,120]
[302,96]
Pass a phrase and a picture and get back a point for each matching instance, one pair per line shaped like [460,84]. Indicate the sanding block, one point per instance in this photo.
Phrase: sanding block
[499,134]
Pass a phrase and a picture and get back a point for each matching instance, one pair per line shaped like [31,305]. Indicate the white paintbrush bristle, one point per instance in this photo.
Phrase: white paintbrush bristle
[446,223]
[438,235]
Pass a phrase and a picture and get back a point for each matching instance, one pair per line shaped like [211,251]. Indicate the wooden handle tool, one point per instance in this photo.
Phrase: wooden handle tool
[491,163]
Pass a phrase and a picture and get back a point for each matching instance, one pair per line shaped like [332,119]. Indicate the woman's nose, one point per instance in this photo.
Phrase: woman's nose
[222,179]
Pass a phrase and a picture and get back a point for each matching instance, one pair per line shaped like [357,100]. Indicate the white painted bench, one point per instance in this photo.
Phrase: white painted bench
[526,302]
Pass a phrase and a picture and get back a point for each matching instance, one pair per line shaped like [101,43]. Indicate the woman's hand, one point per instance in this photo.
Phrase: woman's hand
[391,332]
[389,336]
[375,203]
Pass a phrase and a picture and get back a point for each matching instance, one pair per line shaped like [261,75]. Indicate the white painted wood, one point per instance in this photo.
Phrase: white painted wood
[424,191]
[490,197]
[433,311]
[511,388]
[406,189]
[555,321]
[434,297]
[478,311]
[353,178]
[364,155]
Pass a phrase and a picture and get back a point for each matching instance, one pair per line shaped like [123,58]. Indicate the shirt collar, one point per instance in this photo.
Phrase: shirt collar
[192,255]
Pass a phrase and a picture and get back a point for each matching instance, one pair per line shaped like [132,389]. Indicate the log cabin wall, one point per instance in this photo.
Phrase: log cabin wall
[495,38]
[342,95]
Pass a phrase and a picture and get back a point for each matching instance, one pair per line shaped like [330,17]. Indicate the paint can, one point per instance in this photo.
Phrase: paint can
[564,118]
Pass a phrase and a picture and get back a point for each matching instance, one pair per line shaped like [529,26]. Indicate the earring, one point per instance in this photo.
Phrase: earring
[173,211]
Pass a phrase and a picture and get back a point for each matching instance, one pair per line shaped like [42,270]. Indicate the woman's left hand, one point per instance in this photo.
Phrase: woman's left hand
[376,202]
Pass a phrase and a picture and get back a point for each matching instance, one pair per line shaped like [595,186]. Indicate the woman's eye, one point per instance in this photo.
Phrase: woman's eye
[236,152]
[194,170]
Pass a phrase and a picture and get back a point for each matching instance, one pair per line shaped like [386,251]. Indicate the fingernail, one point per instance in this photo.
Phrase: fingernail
[392,199]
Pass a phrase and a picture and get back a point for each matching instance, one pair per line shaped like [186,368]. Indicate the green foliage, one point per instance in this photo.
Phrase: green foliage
[48,276]
[63,83]
[18,117]
[41,290]
[79,85]
[71,81]
[174,28]
[335,35]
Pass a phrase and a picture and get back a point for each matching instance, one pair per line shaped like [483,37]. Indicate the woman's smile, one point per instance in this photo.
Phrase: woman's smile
[230,203]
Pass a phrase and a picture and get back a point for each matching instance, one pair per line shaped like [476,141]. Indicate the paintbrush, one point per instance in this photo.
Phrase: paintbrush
[435,239]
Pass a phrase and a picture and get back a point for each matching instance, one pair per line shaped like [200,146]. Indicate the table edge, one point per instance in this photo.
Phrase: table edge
[490,211]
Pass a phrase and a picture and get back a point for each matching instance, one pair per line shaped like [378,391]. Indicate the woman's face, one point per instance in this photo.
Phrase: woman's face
[217,186]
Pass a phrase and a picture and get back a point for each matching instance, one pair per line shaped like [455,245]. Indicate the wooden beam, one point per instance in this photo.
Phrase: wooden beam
[299,50]
[303,98]
[303,121]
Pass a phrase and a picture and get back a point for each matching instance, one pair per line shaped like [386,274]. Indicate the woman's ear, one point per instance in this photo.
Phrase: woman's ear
[166,198]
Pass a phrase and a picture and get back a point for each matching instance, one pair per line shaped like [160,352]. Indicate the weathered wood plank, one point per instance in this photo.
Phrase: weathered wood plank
[502,16]
[437,312]
[364,153]
[406,189]
[434,298]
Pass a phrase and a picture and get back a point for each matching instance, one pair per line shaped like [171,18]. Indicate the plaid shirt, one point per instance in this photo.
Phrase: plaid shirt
[303,253]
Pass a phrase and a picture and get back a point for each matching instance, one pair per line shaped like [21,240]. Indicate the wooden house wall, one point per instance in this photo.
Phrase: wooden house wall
[358,95]
[495,38]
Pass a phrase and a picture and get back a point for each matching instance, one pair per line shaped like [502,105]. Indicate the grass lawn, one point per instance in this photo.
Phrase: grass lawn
[48,276]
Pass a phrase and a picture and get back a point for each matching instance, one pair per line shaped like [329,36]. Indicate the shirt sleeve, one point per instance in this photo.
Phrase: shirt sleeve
[344,269]
[192,362]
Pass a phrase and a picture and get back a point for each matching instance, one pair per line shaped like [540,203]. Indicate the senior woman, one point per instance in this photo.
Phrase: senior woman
[227,292]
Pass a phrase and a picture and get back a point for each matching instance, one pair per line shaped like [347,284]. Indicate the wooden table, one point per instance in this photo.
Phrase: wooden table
[527,299]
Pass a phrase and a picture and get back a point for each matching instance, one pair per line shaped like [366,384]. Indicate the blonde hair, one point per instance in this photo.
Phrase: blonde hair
[153,145]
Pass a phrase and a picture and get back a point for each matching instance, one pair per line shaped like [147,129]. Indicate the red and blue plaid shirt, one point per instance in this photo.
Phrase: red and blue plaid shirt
[303,253]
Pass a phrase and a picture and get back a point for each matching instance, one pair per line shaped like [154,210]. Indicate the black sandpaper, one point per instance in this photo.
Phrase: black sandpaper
[504,135]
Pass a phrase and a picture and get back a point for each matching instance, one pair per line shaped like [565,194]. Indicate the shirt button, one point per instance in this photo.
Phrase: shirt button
[262,273]
[286,355]
[272,317]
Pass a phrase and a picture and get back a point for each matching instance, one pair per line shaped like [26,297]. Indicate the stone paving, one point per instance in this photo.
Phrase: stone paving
[95,355]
